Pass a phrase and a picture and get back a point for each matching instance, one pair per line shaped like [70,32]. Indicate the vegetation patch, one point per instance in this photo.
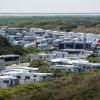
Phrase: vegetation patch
[93,58]
[73,87]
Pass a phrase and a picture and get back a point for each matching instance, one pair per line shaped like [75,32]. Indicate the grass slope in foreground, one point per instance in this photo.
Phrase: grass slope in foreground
[74,87]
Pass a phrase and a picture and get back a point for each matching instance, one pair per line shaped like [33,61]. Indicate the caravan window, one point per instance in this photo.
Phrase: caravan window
[18,77]
[40,57]
[44,77]
[12,58]
[34,76]
[47,56]
[27,77]
[6,81]
[49,76]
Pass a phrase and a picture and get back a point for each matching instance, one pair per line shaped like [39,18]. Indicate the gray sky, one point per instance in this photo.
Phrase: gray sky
[49,6]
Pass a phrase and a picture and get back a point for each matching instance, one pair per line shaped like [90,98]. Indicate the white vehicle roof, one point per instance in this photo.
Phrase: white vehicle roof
[7,77]
[41,74]
[95,64]
[80,61]
[69,66]
[60,60]
[42,54]
[12,72]
[28,68]
[21,69]
[12,55]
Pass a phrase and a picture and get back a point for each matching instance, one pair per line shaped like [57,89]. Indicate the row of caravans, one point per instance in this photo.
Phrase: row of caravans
[25,75]
[62,39]
[64,53]
[79,65]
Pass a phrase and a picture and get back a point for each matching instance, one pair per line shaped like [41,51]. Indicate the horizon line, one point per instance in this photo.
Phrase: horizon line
[47,13]
[50,14]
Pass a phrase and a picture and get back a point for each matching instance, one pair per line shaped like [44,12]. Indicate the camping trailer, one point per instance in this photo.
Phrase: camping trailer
[9,59]
[8,81]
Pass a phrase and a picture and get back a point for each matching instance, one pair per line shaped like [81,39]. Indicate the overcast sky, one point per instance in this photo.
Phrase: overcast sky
[49,6]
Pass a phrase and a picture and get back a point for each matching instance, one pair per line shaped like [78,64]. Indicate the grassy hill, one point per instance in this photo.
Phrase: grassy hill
[92,29]
[74,87]
[63,23]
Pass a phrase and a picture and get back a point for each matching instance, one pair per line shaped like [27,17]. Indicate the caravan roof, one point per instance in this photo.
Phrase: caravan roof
[12,55]
[60,60]
[13,73]
[7,77]
[29,68]
[19,68]
[41,74]
[66,50]
[80,61]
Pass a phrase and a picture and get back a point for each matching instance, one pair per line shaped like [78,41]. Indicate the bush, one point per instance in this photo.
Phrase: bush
[93,58]
[7,48]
